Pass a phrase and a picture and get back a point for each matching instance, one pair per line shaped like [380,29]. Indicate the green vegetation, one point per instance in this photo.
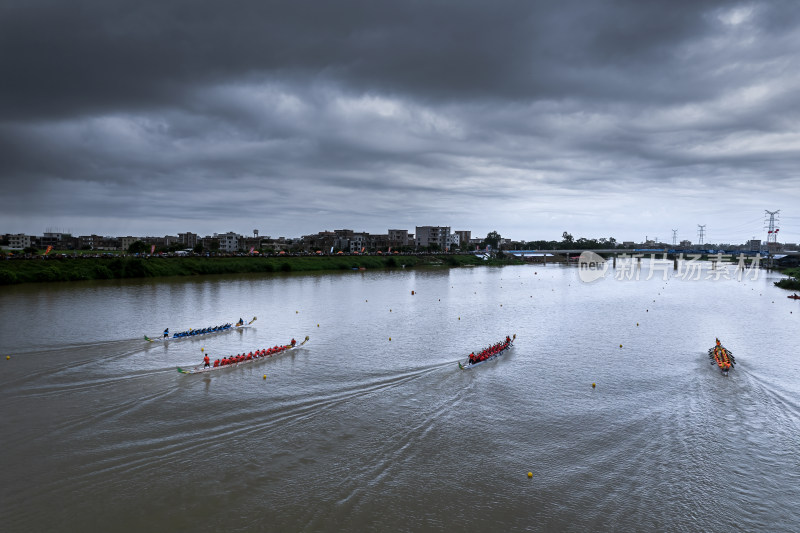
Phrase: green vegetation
[791,283]
[137,247]
[76,269]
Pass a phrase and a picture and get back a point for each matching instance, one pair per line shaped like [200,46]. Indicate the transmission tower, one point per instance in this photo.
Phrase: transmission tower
[674,237]
[772,231]
[701,231]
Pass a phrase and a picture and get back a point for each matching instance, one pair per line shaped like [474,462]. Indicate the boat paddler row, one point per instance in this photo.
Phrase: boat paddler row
[234,360]
[722,357]
[192,332]
[487,353]
[238,358]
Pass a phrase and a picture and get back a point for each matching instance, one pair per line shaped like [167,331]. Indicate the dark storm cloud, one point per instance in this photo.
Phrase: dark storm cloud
[388,113]
[108,55]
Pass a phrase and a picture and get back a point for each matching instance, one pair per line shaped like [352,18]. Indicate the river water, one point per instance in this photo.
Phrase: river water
[371,426]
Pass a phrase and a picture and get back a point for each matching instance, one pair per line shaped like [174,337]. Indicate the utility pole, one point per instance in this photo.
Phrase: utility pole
[701,231]
[772,231]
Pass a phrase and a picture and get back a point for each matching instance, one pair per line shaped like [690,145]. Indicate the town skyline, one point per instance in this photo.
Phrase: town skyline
[444,236]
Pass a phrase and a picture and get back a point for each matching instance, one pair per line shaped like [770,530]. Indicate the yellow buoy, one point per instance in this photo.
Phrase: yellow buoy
[8,357]
[317,325]
[637,323]
[459,318]
[530,474]
[296,312]
[593,385]
[265,376]
[620,346]
[390,338]
[202,349]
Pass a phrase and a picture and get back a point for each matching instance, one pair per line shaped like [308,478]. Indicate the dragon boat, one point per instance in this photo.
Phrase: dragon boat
[722,357]
[794,296]
[487,354]
[234,361]
[201,332]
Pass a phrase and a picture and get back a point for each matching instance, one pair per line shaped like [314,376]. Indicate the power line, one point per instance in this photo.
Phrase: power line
[701,230]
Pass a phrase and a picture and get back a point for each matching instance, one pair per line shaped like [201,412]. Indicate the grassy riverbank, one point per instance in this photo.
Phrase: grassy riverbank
[76,269]
[791,283]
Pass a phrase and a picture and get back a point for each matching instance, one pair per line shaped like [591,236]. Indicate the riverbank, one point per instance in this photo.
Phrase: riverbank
[791,283]
[80,269]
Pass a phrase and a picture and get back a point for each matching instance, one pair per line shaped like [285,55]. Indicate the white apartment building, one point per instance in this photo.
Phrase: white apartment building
[19,241]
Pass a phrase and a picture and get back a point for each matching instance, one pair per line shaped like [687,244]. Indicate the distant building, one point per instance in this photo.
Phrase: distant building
[19,241]
[464,237]
[228,242]
[324,240]
[398,237]
[358,241]
[92,242]
[378,241]
[428,235]
[57,240]
[188,239]
[125,242]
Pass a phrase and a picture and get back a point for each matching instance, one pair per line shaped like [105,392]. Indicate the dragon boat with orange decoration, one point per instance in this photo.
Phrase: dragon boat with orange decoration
[722,357]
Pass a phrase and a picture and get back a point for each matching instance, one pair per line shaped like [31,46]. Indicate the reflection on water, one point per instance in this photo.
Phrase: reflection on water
[371,425]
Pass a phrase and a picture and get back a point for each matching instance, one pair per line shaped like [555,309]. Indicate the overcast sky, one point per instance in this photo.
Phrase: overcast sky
[626,118]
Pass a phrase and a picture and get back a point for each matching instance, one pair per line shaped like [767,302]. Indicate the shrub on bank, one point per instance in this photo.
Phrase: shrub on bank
[791,283]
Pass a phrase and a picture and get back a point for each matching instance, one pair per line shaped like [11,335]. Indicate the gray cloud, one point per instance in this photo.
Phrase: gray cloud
[602,118]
